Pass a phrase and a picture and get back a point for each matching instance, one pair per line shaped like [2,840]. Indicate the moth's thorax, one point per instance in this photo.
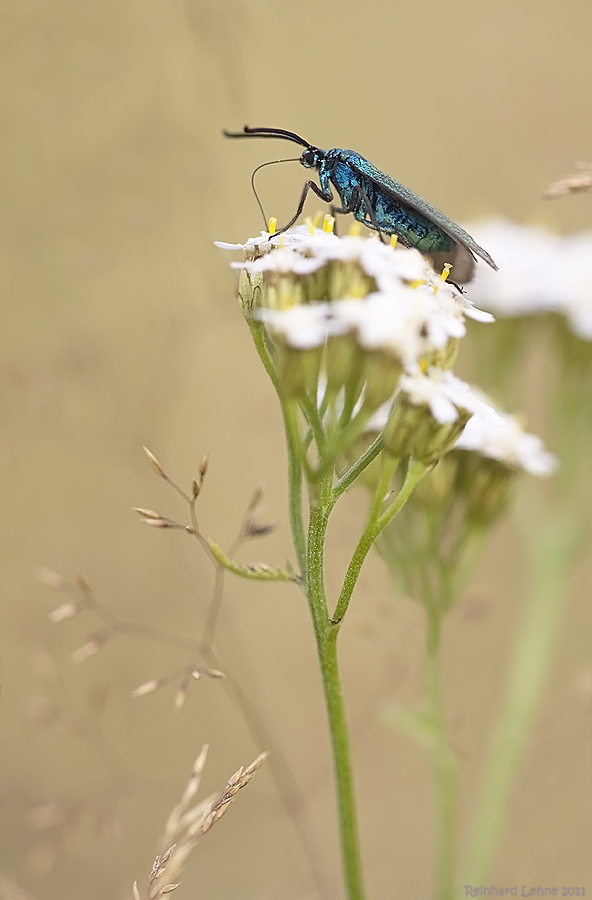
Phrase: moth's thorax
[337,154]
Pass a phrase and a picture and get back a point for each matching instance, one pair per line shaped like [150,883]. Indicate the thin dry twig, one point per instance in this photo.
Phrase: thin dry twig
[203,648]
[577,182]
[287,785]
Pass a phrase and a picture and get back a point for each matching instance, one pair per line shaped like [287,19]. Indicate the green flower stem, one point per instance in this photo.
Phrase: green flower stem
[346,801]
[289,413]
[257,330]
[443,762]
[528,674]
[375,524]
[348,478]
[339,444]
[327,649]
[294,447]
[314,420]
[252,571]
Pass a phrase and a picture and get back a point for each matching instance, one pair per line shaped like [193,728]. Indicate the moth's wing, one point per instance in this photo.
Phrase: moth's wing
[406,197]
[462,262]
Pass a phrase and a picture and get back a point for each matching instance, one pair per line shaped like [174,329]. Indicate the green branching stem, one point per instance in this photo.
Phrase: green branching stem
[309,548]
[348,477]
[376,522]
[326,632]
[338,728]
[253,571]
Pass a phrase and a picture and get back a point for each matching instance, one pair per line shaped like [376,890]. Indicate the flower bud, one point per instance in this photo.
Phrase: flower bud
[444,357]
[382,372]
[298,370]
[413,431]
[428,415]
[484,484]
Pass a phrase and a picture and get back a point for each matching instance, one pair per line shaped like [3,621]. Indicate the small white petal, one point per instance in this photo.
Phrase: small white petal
[303,327]
[442,392]
[286,259]
[250,245]
[500,436]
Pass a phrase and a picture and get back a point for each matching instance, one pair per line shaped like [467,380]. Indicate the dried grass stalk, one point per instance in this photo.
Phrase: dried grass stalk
[187,824]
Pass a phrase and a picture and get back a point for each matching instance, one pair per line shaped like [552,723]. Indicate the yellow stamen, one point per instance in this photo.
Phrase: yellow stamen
[328,223]
[355,229]
[423,365]
[416,284]
[394,240]
[446,271]
[282,241]
[317,219]
[310,225]
[272,225]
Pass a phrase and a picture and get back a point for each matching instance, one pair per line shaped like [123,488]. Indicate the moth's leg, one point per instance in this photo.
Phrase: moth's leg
[309,186]
[365,208]
[337,211]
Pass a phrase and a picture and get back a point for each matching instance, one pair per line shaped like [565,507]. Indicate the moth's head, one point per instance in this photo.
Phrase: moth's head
[311,158]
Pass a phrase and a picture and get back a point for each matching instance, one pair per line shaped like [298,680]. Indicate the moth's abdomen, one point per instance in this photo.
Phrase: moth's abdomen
[393,217]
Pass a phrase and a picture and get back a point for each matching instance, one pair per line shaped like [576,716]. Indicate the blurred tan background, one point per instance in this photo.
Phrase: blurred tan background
[120,328]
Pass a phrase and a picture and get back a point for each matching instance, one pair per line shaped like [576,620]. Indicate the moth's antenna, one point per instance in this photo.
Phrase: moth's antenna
[280,133]
[262,166]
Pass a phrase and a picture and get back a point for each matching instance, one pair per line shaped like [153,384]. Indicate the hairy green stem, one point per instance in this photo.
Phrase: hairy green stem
[344,778]
[310,555]
[295,485]
[326,638]
[375,524]
[349,476]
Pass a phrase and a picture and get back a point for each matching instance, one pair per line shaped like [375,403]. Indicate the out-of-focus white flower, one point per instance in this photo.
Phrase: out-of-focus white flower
[538,272]
[441,387]
[428,414]
[302,327]
[500,436]
[442,392]
[404,322]
[408,323]
[577,303]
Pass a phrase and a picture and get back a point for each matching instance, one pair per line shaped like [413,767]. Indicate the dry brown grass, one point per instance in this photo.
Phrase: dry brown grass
[187,824]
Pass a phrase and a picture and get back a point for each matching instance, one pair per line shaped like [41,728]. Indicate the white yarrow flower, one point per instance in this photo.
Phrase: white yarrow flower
[442,392]
[249,246]
[500,436]
[303,327]
[393,311]
[284,259]
[538,272]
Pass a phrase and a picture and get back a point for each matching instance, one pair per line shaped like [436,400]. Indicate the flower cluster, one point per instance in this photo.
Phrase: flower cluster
[539,272]
[500,436]
[369,332]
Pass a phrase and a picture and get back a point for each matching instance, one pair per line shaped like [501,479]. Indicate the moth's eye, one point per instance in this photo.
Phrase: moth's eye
[309,158]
